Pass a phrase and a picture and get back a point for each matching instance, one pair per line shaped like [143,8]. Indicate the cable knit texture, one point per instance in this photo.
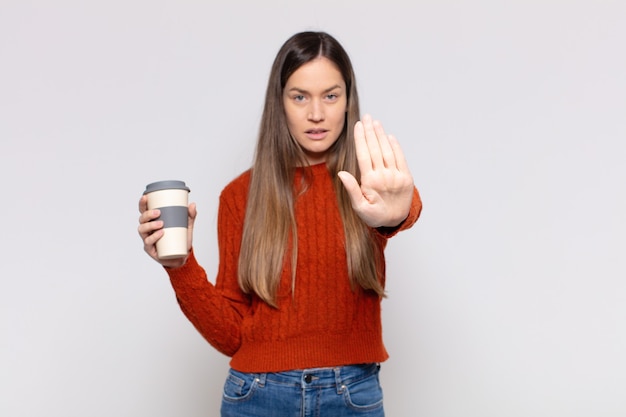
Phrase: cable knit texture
[323,323]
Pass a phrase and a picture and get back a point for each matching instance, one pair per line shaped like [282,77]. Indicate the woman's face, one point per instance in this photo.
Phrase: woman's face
[315,100]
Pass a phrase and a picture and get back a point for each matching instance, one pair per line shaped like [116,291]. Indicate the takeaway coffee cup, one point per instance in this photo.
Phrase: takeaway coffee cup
[171,198]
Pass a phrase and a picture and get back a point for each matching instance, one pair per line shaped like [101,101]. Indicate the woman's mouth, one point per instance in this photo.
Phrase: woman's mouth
[316,134]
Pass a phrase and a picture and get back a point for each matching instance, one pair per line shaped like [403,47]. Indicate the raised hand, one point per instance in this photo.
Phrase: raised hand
[151,231]
[383,197]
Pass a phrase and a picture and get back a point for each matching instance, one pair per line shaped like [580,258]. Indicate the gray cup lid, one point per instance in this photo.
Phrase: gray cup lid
[166,185]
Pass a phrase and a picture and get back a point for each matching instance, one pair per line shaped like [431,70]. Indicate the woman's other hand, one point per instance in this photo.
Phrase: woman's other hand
[151,230]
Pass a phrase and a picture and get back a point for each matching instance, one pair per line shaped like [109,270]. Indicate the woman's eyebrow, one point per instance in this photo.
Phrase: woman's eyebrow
[301,90]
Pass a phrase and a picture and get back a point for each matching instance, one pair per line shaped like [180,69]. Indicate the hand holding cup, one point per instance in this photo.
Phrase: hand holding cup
[166,222]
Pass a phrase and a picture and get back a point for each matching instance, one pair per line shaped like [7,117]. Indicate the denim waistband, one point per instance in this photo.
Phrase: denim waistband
[320,377]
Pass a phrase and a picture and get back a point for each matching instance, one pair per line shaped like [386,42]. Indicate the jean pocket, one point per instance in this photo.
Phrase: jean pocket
[239,386]
[364,394]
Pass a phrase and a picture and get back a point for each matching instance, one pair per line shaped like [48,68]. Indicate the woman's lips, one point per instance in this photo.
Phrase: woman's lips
[316,134]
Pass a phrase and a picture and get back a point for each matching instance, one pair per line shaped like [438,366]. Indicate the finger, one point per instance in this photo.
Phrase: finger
[147,223]
[401,163]
[149,215]
[143,203]
[362,151]
[148,228]
[352,187]
[386,150]
[373,145]
[151,239]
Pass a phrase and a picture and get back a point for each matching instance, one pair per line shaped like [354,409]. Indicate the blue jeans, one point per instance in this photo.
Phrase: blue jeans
[325,392]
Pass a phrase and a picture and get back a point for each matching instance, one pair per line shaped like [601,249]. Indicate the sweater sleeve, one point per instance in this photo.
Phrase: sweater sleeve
[414,213]
[216,311]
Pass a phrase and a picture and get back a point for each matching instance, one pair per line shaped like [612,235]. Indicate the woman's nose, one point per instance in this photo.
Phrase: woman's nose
[316,111]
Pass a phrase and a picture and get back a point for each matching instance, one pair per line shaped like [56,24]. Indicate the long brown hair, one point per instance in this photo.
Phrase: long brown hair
[269,225]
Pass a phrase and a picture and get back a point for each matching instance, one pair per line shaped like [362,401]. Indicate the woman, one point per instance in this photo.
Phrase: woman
[296,300]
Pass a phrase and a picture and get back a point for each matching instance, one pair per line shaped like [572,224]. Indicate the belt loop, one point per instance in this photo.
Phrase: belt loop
[338,382]
[260,379]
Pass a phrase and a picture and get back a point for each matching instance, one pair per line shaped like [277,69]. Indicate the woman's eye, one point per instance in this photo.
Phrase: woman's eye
[331,96]
[298,98]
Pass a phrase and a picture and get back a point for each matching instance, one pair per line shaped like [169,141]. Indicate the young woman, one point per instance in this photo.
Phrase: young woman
[296,300]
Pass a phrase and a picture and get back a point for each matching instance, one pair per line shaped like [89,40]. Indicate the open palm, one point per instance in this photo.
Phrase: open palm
[383,197]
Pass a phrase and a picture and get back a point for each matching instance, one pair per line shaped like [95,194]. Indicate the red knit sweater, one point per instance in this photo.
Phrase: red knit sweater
[324,323]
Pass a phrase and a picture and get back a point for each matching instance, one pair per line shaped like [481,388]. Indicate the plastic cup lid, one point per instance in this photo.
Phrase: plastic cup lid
[166,185]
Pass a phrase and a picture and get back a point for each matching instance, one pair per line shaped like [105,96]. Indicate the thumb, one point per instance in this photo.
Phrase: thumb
[352,187]
[192,213]
[191,219]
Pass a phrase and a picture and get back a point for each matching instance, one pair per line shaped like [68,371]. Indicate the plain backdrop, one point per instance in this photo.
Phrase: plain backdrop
[507,298]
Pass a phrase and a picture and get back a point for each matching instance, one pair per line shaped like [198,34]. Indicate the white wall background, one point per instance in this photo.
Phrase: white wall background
[508,298]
